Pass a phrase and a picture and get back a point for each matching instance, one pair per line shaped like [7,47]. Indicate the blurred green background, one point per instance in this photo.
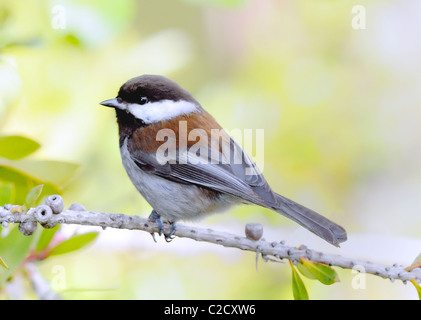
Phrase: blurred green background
[340,109]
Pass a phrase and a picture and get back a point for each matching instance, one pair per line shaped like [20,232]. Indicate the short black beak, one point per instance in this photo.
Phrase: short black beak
[113,103]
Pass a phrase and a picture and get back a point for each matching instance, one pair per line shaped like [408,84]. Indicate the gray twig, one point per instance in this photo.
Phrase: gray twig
[265,248]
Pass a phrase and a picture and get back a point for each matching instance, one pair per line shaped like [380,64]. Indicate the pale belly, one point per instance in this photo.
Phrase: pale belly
[171,200]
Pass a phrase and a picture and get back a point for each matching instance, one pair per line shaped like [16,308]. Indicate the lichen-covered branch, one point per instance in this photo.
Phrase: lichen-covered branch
[48,216]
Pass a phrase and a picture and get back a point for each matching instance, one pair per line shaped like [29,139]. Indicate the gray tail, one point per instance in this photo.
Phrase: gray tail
[321,226]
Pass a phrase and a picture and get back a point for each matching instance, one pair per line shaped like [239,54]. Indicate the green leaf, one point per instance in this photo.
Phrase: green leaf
[14,248]
[56,172]
[305,271]
[72,39]
[33,196]
[298,288]
[23,183]
[17,147]
[7,193]
[319,271]
[417,287]
[45,238]
[2,263]
[74,243]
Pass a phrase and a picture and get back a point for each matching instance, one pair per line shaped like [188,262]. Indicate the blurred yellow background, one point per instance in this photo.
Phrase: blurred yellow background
[340,109]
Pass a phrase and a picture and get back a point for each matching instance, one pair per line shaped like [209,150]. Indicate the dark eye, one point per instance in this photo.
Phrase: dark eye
[143,100]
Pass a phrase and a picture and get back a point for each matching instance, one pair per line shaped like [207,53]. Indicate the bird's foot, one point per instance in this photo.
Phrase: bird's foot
[170,236]
[155,217]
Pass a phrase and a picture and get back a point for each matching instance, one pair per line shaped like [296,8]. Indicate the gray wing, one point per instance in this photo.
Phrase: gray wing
[240,179]
[233,172]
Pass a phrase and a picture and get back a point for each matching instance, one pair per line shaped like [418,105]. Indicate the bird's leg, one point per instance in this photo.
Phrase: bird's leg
[170,236]
[155,217]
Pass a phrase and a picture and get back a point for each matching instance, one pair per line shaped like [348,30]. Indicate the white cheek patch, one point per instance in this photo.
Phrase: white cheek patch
[152,112]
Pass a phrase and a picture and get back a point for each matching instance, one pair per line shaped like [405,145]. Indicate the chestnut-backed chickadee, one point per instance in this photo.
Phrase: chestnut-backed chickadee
[196,174]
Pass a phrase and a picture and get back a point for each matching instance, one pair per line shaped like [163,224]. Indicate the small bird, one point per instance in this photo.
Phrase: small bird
[172,156]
